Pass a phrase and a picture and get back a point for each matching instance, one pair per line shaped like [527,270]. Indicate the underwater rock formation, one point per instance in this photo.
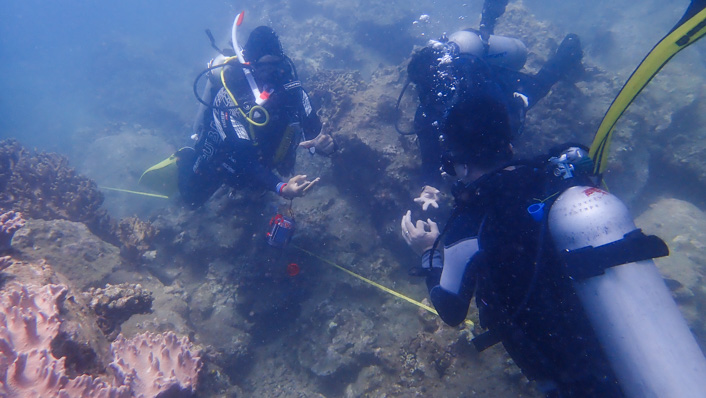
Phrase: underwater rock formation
[71,249]
[147,365]
[115,304]
[10,222]
[683,227]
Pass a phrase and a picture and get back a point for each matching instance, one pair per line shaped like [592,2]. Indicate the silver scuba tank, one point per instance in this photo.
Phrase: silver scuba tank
[642,332]
[213,83]
[506,52]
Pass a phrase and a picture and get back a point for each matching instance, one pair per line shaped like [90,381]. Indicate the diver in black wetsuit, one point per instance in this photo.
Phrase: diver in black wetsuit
[492,247]
[561,275]
[439,68]
[249,126]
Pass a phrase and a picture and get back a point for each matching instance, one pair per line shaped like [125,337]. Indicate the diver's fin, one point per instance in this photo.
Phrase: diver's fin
[162,177]
[689,29]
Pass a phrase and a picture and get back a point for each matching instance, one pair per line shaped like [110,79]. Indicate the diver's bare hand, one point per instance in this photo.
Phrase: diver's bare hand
[297,186]
[323,143]
[419,237]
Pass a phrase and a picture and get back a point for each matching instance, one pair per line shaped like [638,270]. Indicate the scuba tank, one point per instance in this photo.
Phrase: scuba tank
[642,332]
[506,52]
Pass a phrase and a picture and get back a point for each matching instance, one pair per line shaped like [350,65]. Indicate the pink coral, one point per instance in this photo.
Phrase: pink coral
[149,365]
[167,359]
[5,261]
[10,222]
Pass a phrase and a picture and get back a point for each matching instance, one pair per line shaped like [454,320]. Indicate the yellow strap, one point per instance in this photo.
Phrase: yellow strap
[468,322]
[686,34]
[232,97]
[154,195]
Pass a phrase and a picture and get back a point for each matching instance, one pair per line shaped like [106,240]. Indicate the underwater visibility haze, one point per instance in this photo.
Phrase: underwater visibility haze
[95,93]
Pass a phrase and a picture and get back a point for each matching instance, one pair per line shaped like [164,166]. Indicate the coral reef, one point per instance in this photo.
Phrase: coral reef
[147,365]
[171,363]
[135,237]
[42,185]
[10,222]
[115,304]
[5,261]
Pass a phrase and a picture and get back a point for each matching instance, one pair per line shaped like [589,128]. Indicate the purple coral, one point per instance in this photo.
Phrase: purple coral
[10,222]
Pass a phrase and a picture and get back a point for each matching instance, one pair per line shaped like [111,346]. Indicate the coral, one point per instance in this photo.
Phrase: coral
[168,359]
[135,236]
[5,261]
[42,185]
[161,365]
[116,303]
[10,222]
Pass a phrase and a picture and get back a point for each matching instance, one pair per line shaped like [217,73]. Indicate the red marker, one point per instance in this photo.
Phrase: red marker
[292,269]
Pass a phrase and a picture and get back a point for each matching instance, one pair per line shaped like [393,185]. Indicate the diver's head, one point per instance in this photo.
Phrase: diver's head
[476,135]
[263,41]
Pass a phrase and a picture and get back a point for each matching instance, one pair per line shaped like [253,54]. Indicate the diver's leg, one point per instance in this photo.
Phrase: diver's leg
[195,189]
[565,64]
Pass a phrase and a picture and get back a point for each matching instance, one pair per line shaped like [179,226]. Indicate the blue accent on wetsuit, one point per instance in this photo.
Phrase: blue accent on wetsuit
[523,295]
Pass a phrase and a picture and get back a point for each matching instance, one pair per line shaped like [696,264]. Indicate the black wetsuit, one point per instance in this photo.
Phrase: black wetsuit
[493,247]
[233,151]
[439,85]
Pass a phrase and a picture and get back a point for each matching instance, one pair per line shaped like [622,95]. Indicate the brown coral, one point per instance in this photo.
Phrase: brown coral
[135,236]
[115,304]
[42,185]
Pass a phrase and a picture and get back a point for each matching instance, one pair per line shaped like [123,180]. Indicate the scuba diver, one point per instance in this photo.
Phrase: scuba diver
[439,68]
[253,117]
[561,275]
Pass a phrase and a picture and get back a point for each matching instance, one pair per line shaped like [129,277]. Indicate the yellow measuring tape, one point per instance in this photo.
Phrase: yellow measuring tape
[153,195]
[399,295]
[468,322]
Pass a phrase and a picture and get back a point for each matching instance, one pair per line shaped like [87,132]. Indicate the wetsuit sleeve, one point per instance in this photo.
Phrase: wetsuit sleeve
[451,279]
[311,124]
[244,168]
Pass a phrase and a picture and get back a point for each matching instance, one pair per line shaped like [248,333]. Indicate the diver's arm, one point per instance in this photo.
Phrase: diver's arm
[311,124]
[492,10]
[314,137]
[451,279]
[245,168]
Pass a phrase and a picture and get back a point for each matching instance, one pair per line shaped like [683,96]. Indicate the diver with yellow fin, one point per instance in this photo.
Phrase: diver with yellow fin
[254,114]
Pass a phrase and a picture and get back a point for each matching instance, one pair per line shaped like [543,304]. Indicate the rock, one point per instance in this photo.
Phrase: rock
[683,227]
[70,248]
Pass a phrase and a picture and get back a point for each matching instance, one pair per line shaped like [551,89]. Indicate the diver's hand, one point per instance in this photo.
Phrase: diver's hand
[297,186]
[429,196]
[420,237]
[323,143]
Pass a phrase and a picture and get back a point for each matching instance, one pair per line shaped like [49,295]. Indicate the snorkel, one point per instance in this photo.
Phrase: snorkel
[260,97]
